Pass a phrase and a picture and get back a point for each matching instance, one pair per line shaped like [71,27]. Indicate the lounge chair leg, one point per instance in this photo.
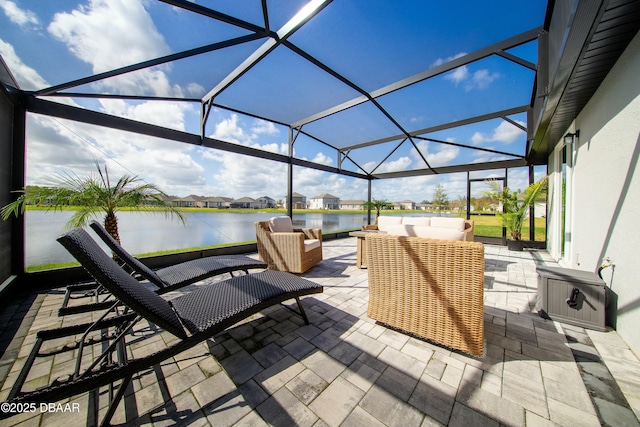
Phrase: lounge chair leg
[302,313]
[113,405]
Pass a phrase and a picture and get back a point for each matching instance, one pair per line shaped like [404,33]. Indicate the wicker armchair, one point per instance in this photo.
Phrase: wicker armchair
[431,288]
[295,251]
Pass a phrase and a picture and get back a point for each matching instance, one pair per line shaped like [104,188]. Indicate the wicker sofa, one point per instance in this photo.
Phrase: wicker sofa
[431,288]
[287,249]
[423,226]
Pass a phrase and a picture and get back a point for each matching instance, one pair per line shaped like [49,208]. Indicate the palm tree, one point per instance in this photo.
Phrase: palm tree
[516,205]
[92,195]
[377,205]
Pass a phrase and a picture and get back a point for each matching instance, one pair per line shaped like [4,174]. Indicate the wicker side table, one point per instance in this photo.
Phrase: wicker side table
[361,247]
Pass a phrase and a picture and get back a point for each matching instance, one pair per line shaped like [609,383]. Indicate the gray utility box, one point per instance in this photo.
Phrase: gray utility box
[571,296]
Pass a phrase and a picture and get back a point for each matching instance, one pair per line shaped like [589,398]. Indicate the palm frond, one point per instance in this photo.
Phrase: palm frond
[92,195]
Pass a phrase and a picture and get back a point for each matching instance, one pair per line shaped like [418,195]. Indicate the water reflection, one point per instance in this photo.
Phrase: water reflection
[143,233]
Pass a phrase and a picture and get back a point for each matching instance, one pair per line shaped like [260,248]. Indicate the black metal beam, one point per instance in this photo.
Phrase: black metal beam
[210,13]
[355,87]
[496,115]
[40,106]
[513,58]
[389,155]
[432,72]
[455,144]
[6,76]
[18,163]
[288,29]
[454,169]
[112,96]
[150,63]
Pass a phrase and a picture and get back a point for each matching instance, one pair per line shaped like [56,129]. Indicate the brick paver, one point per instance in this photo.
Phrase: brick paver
[344,369]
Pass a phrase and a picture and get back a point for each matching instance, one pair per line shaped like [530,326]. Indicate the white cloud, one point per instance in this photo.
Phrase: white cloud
[322,159]
[166,114]
[240,176]
[230,130]
[109,34]
[482,79]
[264,127]
[441,61]
[400,164]
[59,145]
[505,132]
[27,77]
[195,90]
[19,16]
[436,154]
[458,75]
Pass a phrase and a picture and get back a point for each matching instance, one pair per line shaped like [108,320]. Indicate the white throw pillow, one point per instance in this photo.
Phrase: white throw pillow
[280,224]
[455,223]
[384,222]
[416,220]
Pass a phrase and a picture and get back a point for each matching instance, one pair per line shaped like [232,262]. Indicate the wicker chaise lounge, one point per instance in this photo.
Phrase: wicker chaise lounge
[192,318]
[165,279]
[287,249]
[431,288]
[181,274]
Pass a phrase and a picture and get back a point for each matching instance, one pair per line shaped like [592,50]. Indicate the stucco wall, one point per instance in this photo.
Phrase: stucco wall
[605,204]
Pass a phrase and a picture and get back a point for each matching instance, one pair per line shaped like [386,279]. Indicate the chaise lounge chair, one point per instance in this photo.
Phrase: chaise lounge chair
[191,318]
[165,279]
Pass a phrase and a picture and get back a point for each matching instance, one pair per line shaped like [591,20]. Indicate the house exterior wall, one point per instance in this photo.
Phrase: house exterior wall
[603,190]
[266,202]
[352,205]
[325,203]
[297,202]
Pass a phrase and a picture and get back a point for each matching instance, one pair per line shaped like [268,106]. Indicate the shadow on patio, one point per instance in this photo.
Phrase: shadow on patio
[344,369]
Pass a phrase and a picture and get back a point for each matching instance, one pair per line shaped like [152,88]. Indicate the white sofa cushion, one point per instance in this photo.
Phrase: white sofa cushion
[310,244]
[384,222]
[280,224]
[438,233]
[416,220]
[400,230]
[455,223]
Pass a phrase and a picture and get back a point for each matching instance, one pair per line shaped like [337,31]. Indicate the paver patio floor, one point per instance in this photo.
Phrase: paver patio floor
[344,369]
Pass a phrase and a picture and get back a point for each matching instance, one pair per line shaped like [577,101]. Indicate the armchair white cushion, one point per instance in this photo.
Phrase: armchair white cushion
[281,224]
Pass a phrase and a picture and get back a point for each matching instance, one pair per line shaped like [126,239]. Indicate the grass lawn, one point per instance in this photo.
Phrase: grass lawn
[486,225]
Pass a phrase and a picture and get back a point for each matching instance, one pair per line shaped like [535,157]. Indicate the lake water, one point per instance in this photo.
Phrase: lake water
[143,233]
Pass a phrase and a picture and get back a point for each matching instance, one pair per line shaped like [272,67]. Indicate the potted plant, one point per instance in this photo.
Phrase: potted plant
[516,207]
[376,205]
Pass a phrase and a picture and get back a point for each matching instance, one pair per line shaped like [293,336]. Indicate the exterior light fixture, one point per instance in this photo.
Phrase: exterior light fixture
[569,137]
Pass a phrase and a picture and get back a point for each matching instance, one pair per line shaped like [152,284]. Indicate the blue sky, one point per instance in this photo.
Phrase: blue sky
[371,43]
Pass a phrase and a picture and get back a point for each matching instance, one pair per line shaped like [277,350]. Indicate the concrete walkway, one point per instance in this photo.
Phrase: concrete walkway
[344,369]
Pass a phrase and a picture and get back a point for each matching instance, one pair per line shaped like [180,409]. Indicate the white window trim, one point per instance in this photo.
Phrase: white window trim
[563,260]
